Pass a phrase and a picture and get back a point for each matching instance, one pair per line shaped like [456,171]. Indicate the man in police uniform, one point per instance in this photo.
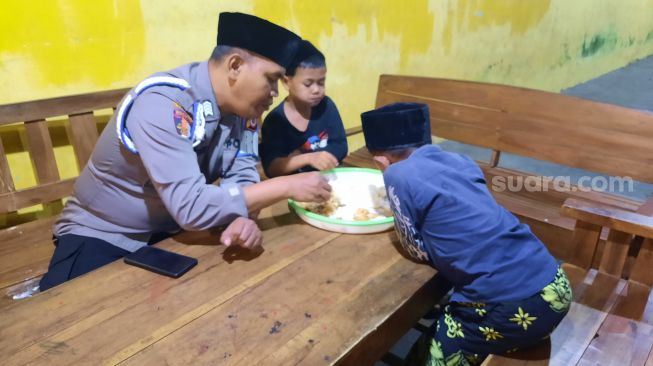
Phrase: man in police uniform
[172,136]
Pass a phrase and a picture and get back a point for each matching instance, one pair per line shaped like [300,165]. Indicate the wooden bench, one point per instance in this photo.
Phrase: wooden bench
[599,235]
[26,248]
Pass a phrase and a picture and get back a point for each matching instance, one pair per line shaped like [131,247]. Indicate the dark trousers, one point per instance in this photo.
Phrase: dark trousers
[76,255]
[465,333]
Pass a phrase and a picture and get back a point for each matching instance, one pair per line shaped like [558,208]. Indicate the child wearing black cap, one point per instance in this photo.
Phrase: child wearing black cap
[508,291]
[304,132]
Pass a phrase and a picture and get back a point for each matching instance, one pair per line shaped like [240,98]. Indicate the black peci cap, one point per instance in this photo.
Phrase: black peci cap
[258,35]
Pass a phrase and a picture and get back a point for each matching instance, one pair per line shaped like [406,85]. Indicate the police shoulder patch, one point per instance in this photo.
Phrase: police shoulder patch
[183,121]
[251,124]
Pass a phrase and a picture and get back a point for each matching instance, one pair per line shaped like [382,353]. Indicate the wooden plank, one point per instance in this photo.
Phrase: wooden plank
[353,131]
[646,208]
[468,134]
[562,149]
[534,356]
[41,151]
[615,252]
[379,340]
[635,303]
[13,295]
[620,341]
[41,109]
[641,271]
[533,123]
[626,336]
[93,311]
[595,294]
[83,136]
[616,219]
[585,240]
[464,93]
[27,261]
[306,314]
[543,125]
[6,180]
[25,251]
[584,113]
[16,233]
[10,202]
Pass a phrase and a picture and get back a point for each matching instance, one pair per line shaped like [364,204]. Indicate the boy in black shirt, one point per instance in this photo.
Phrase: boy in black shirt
[304,132]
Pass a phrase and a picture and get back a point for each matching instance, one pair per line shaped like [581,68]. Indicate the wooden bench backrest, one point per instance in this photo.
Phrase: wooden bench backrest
[83,135]
[546,126]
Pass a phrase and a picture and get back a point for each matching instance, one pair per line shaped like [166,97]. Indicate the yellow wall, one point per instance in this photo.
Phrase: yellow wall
[59,47]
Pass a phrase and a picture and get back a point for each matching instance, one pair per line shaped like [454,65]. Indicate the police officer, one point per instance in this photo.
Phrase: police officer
[171,137]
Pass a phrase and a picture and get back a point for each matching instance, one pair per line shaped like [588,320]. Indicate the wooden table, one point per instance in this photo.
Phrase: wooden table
[311,297]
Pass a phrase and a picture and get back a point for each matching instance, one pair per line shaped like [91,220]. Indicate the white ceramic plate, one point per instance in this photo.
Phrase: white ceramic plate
[356,188]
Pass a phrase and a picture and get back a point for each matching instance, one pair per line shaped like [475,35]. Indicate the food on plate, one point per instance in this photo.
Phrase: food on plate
[381,203]
[350,204]
[326,208]
[363,214]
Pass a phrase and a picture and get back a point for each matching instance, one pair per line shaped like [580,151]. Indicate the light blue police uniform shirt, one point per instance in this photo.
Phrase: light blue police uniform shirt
[123,197]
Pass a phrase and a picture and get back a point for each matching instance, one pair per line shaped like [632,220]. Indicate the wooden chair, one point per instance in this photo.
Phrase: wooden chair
[26,248]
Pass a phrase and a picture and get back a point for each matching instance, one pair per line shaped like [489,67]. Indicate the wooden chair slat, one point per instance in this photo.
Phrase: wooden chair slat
[41,109]
[620,341]
[643,269]
[41,151]
[584,242]
[83,136]
[14,201]
[6,181]
[615,252]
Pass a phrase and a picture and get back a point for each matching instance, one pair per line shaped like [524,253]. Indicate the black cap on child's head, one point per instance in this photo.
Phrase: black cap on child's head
[258,35]
[396,126]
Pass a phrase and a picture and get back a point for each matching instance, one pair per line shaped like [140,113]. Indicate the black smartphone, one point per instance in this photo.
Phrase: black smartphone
[161,261]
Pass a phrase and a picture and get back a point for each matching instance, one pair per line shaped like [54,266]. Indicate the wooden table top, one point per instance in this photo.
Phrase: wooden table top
[311,297]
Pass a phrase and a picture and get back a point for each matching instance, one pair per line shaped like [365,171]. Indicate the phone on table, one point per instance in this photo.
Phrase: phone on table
[161,261]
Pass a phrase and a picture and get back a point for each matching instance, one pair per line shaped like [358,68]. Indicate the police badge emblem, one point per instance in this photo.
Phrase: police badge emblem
[183,122]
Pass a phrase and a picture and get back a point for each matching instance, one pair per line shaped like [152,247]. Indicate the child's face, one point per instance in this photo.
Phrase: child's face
[307,85]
